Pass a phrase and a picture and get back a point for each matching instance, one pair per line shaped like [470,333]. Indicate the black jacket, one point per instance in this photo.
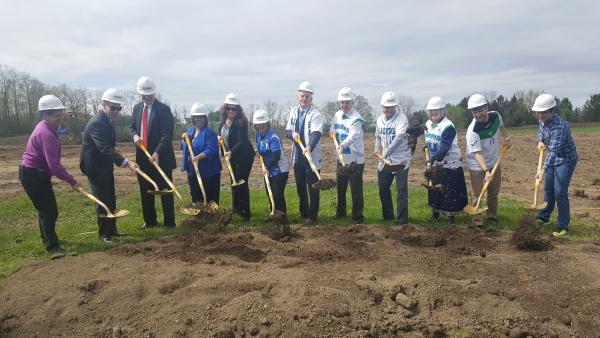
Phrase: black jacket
[98,152]
[160,134]
[239,145]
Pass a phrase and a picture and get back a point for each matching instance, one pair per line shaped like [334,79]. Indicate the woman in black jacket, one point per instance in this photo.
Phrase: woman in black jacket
[234,130]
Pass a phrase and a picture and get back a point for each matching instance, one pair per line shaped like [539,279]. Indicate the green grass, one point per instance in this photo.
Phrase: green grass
[20,242]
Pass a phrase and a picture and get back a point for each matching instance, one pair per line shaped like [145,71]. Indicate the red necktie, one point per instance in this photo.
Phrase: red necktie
[145,126]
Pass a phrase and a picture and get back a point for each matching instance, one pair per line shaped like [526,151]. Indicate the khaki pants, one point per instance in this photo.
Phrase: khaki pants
[477,182]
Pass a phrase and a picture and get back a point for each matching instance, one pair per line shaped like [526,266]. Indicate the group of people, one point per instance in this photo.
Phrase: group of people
[152,127]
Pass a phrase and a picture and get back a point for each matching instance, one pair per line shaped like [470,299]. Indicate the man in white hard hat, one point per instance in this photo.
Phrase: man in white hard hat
[98,156]
[483,151]
[152,125]
[347,128]
[555,136]
[305,124]
[41,161]
[391,136]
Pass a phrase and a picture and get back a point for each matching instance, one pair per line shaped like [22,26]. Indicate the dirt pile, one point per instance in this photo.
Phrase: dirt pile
[206,214]
[528,237]
[358,281]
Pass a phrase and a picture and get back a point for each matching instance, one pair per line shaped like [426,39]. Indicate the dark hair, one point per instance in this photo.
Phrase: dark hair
[240,118]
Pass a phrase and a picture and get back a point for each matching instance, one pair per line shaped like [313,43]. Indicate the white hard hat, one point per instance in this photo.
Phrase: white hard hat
[199,109]
[476,100]
[232,98]
[345,94]
[544,102]
[112,95]
[306,86]
[49,102]
[146,86]
[388,99]
[260,116]
[435,102]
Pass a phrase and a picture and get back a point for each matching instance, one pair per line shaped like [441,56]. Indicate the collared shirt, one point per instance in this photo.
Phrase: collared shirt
[556,136]
[43,152]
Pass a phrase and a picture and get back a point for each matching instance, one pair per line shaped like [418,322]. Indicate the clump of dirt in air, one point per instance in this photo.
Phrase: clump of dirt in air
[528,237]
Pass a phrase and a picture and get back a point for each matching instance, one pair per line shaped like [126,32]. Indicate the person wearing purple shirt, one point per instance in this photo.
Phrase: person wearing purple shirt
[41,161]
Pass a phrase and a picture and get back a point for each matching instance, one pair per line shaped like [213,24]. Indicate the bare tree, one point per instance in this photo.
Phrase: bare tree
[406,104]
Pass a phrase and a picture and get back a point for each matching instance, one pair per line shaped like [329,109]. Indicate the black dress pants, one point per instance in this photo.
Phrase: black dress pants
[38,187]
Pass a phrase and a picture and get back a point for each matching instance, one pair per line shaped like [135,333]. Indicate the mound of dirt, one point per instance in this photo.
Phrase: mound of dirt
[358,281]
[528,237]
[207,214]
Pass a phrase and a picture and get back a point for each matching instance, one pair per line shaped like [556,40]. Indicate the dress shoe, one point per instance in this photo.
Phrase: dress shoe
[106,239]
[147,226]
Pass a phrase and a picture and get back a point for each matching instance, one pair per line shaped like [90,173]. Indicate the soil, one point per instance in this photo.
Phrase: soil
[324,184]
[359,281]
[527,236]
[294,281]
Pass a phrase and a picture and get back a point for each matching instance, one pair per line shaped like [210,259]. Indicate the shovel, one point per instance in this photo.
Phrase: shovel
[117,214]
[235,182]
[474,210]
[313,167]
[155,191]
[429,184]
[339,153]
[271,199]
[162,173]
[535,205]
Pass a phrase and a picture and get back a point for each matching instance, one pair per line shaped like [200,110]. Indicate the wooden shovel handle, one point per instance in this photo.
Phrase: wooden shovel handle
[268,184]
[96,200]
[310,161]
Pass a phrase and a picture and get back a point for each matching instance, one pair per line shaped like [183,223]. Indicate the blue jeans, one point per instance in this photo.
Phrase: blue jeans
[556,191]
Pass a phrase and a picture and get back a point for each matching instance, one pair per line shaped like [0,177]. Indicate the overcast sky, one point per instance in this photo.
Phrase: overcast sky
[198,51]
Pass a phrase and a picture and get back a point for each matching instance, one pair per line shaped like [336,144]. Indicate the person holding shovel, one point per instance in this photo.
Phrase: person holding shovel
[206,150]
[555,135]
[41,161]
[270,147]
[98,157]
[305,125]
[442,142]
[234,131]
[347,128]
[394,159]
[483,151]
[152,126]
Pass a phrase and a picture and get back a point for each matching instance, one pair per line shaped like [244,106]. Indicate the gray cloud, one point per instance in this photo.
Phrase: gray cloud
[263,49]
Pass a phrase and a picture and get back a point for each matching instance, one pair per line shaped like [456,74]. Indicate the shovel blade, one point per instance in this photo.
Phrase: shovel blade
[117,214]
[189,211]
[471,210]
[536,207]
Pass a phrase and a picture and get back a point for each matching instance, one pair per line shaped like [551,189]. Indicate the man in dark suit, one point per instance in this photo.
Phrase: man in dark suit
[152,124]
[98,155]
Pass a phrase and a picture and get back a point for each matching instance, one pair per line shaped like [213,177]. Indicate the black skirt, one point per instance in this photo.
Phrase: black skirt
[452,197]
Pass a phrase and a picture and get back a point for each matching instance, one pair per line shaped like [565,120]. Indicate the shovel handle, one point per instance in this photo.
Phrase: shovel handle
[268,184]
[229,168]
[195,165]
[313,167]
[147,178]
[384,160]
[160,171]
[339,153]
[503,151]
[95,200]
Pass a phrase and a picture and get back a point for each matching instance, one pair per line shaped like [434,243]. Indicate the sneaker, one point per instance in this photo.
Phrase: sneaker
[562,233]
[541,221]
[492,221]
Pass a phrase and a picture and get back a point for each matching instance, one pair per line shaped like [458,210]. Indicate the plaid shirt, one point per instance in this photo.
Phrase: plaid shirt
[556,136]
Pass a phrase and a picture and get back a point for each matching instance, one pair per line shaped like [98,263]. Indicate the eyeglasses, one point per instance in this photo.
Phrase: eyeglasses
[477,109]
[231,108]
[116,108]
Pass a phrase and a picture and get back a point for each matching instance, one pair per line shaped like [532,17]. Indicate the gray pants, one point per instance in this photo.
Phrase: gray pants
[385,195]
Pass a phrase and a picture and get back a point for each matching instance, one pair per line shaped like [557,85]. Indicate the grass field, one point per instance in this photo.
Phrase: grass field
[20,242]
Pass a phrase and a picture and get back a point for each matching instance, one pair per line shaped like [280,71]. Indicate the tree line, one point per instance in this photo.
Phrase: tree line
[20,92]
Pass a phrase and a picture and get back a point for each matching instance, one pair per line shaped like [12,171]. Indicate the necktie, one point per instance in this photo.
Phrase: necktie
[145,126]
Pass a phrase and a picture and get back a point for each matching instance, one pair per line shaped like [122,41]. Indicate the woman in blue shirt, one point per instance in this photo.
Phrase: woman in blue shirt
[269,146]
[206,153]
[555,136]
